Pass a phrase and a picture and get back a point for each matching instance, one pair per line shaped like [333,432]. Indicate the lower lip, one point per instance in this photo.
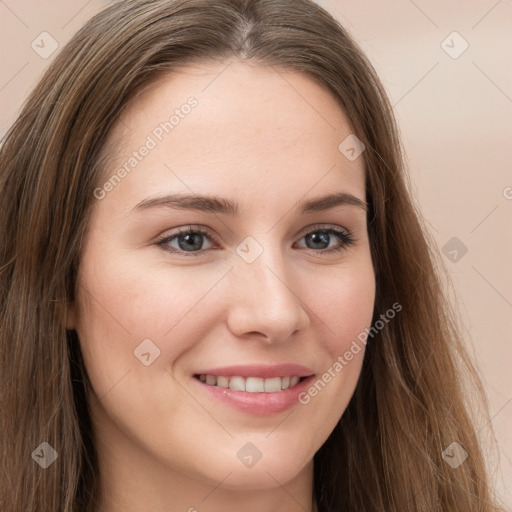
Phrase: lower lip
[262,404]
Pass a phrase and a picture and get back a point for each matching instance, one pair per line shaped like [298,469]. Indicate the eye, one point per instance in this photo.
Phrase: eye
[190,240]
[321,238]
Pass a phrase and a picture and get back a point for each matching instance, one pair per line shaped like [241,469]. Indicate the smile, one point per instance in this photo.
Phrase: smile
[250,384]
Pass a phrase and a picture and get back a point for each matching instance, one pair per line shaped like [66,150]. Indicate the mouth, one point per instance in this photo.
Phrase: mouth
[257,389]
[251,384]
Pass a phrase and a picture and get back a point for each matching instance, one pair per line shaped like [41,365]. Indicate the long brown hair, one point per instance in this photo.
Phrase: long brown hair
[386,451]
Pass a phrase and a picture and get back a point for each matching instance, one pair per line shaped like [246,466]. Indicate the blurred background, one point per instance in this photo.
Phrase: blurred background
[444,67]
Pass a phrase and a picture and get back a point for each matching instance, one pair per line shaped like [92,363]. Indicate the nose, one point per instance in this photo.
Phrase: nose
[265,301]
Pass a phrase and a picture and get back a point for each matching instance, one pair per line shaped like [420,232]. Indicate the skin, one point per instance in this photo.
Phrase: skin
[267,139]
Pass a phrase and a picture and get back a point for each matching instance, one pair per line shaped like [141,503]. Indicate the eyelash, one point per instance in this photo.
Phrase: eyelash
[344,235]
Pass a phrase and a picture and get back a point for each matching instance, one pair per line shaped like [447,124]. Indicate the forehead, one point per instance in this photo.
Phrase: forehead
[234,128]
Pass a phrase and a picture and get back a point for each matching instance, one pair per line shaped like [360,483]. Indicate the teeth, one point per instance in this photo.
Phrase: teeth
[222,382]
[251,384]
[237,383]
[254,385]
[272,385]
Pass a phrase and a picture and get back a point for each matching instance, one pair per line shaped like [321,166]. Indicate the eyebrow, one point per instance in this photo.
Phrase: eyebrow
[214,204]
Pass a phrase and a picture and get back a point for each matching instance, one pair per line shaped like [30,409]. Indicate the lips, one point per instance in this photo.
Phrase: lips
[261,394]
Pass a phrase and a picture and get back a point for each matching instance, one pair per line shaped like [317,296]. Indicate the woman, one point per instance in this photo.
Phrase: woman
[216,291]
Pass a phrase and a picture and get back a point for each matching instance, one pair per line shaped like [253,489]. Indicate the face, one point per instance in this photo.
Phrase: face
[259,275]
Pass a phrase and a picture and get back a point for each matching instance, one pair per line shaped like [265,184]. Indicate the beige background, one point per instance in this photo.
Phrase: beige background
[456,122]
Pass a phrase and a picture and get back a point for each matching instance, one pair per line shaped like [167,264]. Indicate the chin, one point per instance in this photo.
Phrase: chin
[274,468]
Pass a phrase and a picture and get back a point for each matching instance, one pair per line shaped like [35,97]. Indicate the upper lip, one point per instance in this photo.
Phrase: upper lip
[262,371]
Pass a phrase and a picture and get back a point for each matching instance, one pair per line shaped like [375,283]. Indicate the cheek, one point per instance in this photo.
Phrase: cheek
[123,302]
[135,323]
[345,306]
